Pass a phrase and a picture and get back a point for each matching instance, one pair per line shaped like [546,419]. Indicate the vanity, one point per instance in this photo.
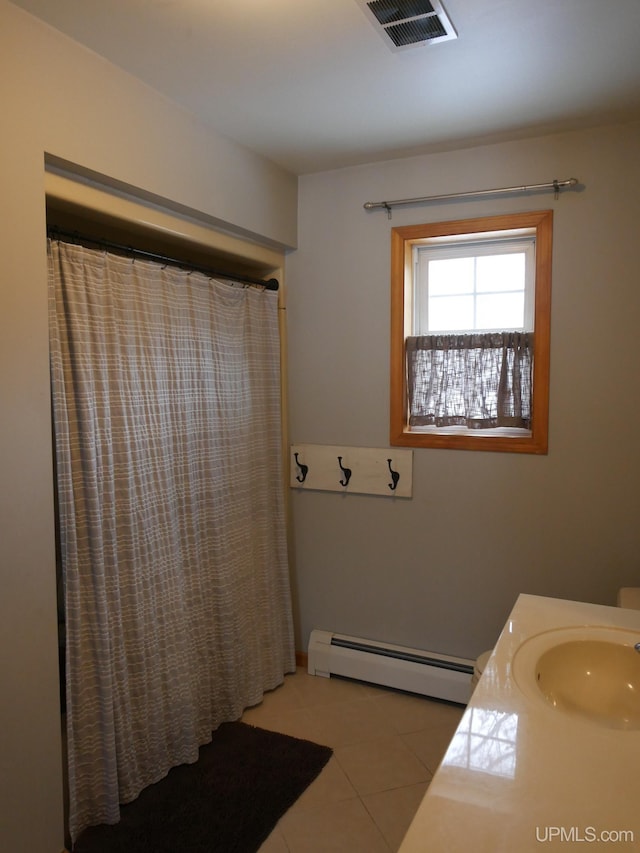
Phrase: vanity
[548,749]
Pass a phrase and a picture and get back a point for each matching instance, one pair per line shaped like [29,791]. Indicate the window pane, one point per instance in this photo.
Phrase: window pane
[451,275]
[500,272]
[503,311]
[450,313]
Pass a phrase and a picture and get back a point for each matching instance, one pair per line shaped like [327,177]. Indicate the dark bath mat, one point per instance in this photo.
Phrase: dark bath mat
[227,802]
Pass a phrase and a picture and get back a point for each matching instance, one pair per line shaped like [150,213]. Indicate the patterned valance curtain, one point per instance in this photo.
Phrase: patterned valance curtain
[476,381]
[166,393]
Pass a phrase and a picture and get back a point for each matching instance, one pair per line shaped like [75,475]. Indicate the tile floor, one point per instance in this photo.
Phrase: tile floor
[387,746]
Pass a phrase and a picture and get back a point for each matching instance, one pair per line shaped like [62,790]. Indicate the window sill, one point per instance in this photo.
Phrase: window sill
[499,440]
[495,432]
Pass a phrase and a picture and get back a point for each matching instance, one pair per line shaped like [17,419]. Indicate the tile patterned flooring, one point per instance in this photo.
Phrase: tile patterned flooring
[387,746]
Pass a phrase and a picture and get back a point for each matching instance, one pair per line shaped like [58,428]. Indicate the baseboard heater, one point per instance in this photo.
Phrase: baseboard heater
[426,673]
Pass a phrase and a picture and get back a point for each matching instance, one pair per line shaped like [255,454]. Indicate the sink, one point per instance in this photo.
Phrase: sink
[588,672]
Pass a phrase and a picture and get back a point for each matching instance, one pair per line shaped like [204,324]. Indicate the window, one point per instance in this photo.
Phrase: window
[470,333]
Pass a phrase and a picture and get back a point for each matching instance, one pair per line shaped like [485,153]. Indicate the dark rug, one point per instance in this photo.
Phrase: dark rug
[227,802]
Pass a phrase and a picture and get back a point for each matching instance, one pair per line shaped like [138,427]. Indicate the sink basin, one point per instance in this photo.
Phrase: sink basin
[592,673]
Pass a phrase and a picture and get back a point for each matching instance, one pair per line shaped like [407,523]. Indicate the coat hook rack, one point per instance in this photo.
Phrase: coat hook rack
[304,469]
[345,471]
[383,471]
[395,476]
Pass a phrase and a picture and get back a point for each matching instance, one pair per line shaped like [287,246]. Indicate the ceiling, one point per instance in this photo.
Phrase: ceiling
[312,85]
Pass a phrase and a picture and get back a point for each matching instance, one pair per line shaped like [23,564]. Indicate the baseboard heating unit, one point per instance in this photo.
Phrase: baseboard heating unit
[426,673]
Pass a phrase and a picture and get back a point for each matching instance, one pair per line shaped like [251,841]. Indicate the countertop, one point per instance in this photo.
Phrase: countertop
[519,774]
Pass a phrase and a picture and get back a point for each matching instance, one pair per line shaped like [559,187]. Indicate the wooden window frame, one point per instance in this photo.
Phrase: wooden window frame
[403,239]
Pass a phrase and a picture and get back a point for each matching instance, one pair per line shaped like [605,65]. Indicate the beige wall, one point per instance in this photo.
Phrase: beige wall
[58,99]
[442,571]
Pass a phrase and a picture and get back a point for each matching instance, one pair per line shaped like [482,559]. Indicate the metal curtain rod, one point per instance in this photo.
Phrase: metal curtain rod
[130,251]
[556,186]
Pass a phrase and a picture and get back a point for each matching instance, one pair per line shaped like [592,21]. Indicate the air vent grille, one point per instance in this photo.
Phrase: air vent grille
[409,23]
[390,11]
[422,29]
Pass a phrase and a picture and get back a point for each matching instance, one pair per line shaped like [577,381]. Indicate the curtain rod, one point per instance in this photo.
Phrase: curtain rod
[552,185]
[130,251]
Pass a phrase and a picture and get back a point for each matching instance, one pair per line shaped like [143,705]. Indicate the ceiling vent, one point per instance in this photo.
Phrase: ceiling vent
[409,23]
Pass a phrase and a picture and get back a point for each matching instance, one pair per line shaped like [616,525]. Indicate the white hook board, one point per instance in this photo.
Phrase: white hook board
[373,471]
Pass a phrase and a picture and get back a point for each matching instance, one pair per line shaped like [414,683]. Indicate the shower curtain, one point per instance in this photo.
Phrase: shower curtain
[166,399]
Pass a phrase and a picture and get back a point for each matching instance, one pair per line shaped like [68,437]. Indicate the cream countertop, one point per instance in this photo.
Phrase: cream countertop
[519,775]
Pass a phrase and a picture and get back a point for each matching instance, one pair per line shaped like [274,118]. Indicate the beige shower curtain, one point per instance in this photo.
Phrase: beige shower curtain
[166,390]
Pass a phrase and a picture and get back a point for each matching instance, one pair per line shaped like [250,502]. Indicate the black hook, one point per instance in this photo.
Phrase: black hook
[395,476]
[345,471]
[304,469]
